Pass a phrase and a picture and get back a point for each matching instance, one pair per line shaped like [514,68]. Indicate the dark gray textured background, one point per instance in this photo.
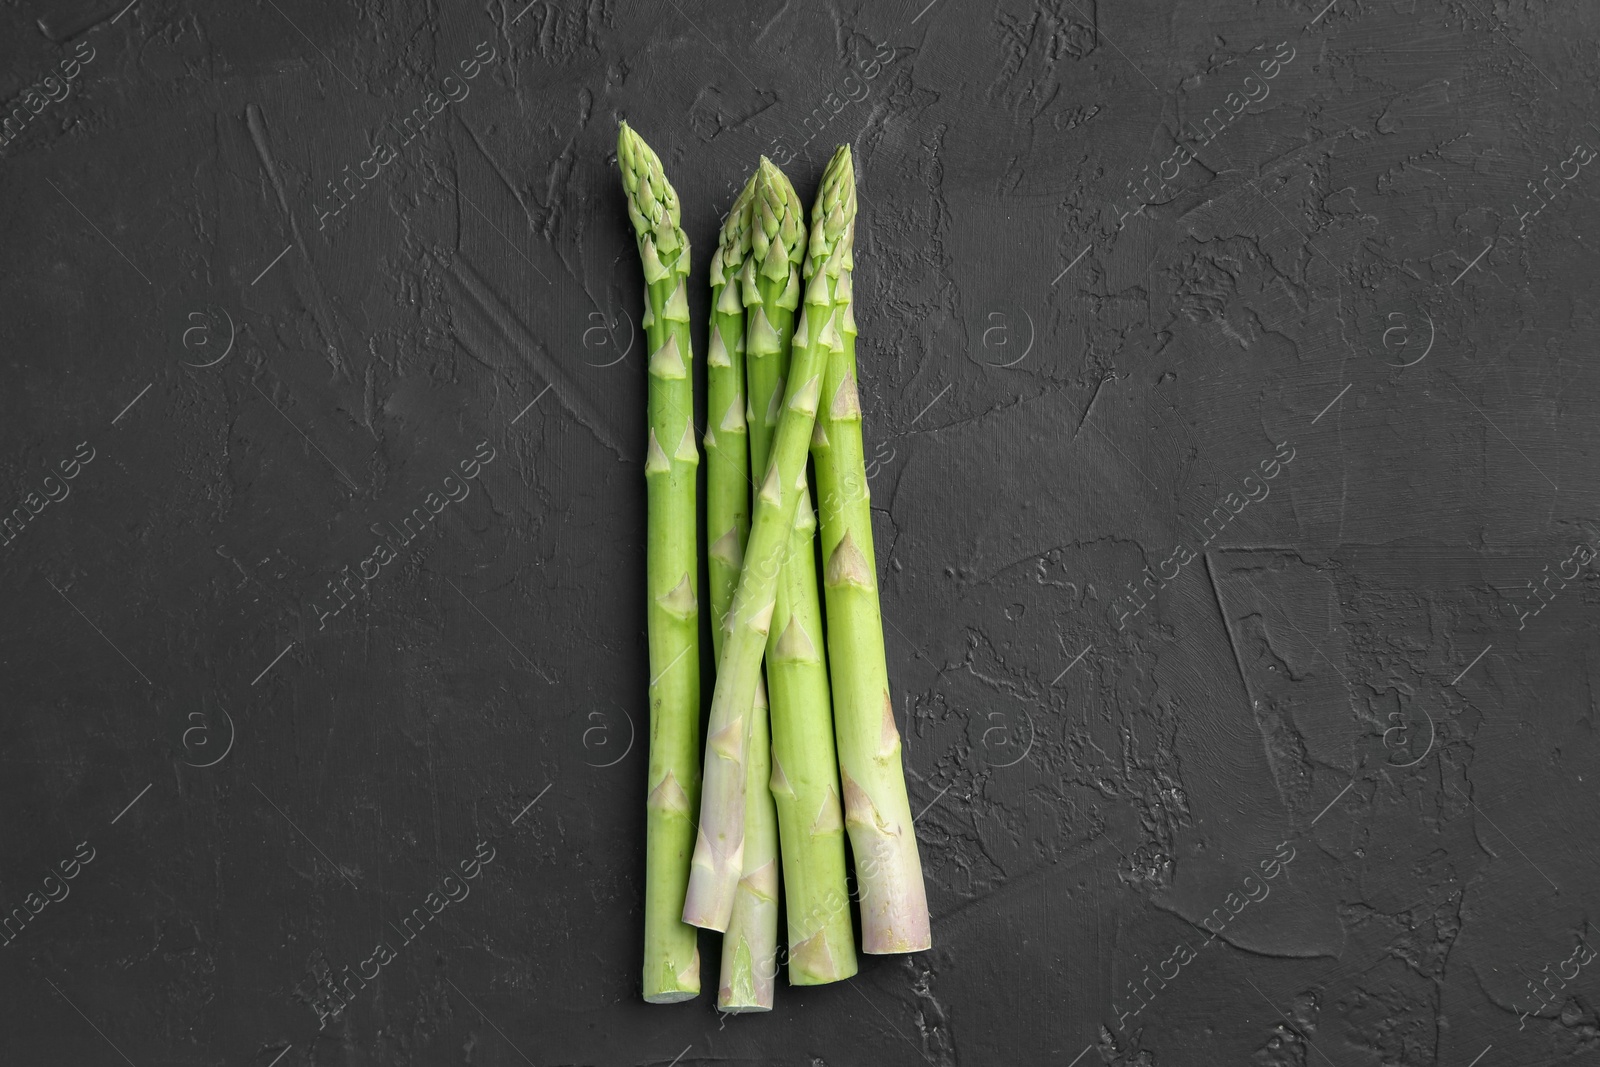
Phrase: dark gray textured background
[1350,672]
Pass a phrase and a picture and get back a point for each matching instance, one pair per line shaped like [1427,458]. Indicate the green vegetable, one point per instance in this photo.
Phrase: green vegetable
[671,952]
[894,906]
[720,845]
[727,452]
[805,773]
[751,939]
[750,945]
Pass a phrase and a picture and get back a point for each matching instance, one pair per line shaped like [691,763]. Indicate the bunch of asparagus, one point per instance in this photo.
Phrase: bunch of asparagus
[780,388]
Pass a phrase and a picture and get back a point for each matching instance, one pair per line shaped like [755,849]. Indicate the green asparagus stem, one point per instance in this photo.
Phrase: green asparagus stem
[894,905]
[747,976]
[805,773]
[720,845]
[727,453]
[750,946]
[671,951]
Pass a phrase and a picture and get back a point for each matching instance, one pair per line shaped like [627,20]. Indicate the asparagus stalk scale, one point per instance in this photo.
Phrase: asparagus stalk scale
[720,845]
[894,907]
[805,774]
[671,952]
[751,940]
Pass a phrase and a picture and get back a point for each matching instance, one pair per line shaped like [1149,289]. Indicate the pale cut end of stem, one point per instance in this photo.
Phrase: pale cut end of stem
[894,903]
[748,976]
[713,877]
[670,988]
[750,945]
[814,962]
[752,991]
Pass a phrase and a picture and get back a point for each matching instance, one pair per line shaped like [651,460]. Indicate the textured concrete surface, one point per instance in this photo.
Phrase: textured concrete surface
[1228,373]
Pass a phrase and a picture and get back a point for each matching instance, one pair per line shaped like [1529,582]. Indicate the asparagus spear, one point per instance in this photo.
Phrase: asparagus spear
[750,946]
[805,773]
[671,952]
[727,456]
[894,906]
[719,847]
[751,939]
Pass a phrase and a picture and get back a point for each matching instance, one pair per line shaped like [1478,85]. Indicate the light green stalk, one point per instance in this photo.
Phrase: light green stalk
[671,951]
[727,451]
[805,773]
[718,861]
[747,977]
[894,903]
[750,946]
